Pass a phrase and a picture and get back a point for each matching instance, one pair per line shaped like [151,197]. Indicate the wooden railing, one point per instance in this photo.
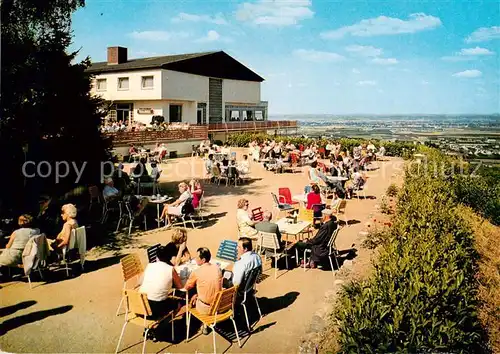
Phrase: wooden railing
[254,125]
[196,132]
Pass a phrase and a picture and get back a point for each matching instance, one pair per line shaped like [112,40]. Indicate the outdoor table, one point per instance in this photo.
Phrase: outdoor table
[300,198]
[184,270]
[288,228]
[157,200]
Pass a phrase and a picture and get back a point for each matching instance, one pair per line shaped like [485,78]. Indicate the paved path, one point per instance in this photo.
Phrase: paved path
[78,314]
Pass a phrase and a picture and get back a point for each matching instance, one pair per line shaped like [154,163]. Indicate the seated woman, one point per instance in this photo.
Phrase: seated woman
[314,201]
[196,191]
[175,209]
[68,215]
[244,220]
[179,243]
[244,166]
[335,200]
[12,255]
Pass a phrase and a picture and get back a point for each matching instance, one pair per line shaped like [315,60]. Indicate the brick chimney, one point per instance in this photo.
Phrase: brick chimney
[117,55]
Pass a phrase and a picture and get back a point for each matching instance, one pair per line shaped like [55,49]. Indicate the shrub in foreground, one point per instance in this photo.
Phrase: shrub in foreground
[422,296]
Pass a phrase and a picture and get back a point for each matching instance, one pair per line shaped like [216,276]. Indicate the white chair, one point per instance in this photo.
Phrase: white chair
[34,262]
[77,240]
[332,251]
[269,242]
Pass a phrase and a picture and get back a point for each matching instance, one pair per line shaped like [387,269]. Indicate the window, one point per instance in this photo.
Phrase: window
[101,84]
[147,82]
[123,83]
[259,115]
[247,115]
[235,115]
[175,111]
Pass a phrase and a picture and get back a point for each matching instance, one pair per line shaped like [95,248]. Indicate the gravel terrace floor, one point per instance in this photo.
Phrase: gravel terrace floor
[78,314]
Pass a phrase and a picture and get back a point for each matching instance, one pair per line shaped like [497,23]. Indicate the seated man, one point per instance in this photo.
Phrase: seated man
[267,226]
[248,260]
[208,282]
[319,243]
[158,280]
[110,192]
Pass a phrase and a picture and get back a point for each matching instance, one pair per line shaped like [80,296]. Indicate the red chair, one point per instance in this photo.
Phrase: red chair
[258,214]
[285,196]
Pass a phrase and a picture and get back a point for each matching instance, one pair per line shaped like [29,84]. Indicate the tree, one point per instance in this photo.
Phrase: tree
[47,112]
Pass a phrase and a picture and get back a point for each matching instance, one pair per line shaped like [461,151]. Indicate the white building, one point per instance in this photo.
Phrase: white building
[197,88]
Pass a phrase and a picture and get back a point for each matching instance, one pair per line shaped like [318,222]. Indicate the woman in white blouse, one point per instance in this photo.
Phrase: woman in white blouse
[244,220]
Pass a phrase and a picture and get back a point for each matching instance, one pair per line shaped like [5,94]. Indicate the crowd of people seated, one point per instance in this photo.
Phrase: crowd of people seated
[46,223]
[121,126]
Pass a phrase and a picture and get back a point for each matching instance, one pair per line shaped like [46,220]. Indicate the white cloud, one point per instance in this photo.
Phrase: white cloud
[364,50]
[218,19]
[476,51]
[484,34]
[384,25]
[423,82]
[385,61]
[317,56]
[213,36]
[367,83]
[157,35]
[468,74]
[355,71]
[468,54]
[278,13]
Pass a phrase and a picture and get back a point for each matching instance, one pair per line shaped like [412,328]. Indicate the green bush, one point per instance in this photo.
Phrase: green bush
[392,190]
[422,296]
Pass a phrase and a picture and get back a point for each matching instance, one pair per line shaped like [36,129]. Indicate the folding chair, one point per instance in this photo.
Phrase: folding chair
[285,196]
[77,240]
[249,291]
[332,247]
[341,209]
[228,250]
[258,214]
[280,207]
[139,312]
[39,261]
[95,196]
[131,268]
[269,242]
[221,310]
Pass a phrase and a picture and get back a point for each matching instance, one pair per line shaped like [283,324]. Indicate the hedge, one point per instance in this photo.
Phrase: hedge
[398,148]
[422,296]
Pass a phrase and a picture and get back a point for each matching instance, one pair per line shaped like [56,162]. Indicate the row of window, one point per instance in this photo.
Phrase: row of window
[147,83]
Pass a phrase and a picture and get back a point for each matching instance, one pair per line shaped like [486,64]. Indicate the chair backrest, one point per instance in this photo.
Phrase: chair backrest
[268,240]
[137,302]
[131,266]
[94,192]
[317,207]
[78,239]
[294,158]
[153,253]
[228,250]
[275,199]
[224,301]
[258,214]
[215,171]
[342,205]
[231,171]
[286,194]
[251,279]
[306,214]
[331,242]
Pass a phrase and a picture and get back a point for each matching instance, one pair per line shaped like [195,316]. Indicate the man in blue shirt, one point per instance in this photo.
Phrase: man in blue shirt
[248,260]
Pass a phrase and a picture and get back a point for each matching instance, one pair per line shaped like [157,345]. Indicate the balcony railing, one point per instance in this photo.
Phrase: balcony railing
[254,125]
[196,132]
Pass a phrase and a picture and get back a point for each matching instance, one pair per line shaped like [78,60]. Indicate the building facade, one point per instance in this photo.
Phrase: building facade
[199,88]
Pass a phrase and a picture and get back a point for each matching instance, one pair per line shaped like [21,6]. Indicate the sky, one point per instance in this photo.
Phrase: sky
[322,56]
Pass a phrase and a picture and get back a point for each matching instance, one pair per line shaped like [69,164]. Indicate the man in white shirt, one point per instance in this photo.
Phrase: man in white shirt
[157,281]
[248,260]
